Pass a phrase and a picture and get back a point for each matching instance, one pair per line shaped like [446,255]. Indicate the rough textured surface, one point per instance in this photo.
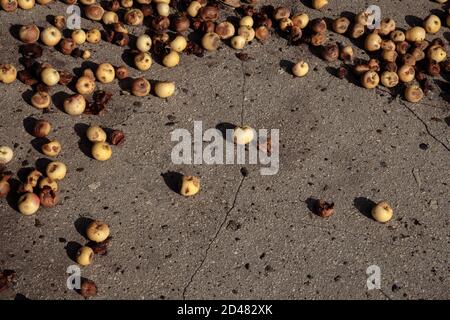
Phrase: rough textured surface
[251,237]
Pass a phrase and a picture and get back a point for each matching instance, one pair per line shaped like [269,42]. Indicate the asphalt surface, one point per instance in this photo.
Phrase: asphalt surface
[241,237]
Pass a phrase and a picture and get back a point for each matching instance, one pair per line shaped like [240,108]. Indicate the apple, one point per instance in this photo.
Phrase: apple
[243,135]
[190,185]
[28,204]
[97,231]
[382,212]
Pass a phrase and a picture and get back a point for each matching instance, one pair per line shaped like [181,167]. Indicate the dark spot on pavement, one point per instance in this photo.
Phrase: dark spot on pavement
[423,146]
[20,297]
[395,287]
[364,206]
[173,180]
[268,269]
[37,223]
[233,225]
[447,121]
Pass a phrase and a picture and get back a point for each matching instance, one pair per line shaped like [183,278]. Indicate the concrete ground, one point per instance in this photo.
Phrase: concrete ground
[241,237]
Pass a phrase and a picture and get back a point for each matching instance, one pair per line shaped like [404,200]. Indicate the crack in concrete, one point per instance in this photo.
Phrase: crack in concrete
[427,129]
[385,294]
[432,105]
[357,235]
[425,125]
[340,231]
[205,255]
[244,81]
[227,213]
[393,96]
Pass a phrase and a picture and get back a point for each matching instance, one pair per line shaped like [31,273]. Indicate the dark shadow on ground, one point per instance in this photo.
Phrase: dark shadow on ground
[287,65]
[29,123]
[223,127]
[413,21]
[58,99]
[364,206]
[72,248]
[37,143]
[81,225]
[13,196]
[447,121]
[15,30]
[41,164]
[312,204]
[20,297]
[84,144]
[173,180]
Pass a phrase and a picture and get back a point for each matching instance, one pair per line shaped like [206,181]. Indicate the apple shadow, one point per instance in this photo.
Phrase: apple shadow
[287,65]
[72,248]
[81,225]
[364,206]
[84,144]
[41,164]
[173,180]
[447,121]
[223,127]
[413,21]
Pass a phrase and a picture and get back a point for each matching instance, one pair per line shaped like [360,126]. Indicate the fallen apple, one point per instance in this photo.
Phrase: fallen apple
[382,212]
[243,135]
